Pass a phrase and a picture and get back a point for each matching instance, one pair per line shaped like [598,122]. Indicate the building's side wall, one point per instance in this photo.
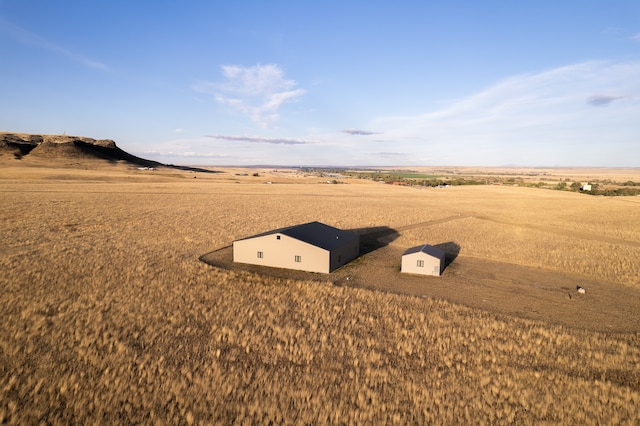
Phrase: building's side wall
[432,265]
[345,254]
[281,253]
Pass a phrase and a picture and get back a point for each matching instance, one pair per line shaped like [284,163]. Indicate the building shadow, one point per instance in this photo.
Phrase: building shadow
[374,238]
[451,250]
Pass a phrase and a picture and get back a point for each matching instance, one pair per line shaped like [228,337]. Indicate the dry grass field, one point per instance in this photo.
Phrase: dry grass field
[108,315]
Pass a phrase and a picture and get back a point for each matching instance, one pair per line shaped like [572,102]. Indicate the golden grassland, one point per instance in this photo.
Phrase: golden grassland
[109,317]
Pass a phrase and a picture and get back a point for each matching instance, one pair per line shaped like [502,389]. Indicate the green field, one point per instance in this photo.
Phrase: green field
[416,176]
[395,175]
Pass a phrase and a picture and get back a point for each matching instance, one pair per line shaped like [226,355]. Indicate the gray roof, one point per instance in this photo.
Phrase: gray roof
[426,248]
[315,233]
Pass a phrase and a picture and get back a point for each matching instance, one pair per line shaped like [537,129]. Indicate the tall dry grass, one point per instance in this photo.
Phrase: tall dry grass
[108,317]
[604,260]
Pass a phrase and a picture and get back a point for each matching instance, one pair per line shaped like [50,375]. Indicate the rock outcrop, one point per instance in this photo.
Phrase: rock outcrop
[21,145]
[18,146]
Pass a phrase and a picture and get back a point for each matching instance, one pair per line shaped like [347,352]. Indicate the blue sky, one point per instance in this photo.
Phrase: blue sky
[350,83]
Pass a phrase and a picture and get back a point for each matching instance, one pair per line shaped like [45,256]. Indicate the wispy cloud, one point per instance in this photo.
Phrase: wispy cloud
[357,132]
[635,37]
[182,154]
[541,118]
[30,39]
[258,91]
[535,118]
[517,103]
[278,141]
[390,154]
[602,100]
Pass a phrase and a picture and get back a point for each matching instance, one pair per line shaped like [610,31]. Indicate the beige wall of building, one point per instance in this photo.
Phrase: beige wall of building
[422,263]
[313,247]
[281,251]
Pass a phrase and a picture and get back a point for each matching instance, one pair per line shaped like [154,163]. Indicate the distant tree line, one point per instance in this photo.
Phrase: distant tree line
[629,188]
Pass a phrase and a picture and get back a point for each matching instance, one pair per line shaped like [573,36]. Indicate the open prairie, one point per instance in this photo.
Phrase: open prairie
[112,313]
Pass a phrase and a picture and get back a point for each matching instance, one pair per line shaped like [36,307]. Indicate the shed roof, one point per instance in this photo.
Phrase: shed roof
[314,233]
[426,248]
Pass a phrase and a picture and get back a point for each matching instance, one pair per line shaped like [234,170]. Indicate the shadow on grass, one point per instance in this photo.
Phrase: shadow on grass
[451,250]
[372,239]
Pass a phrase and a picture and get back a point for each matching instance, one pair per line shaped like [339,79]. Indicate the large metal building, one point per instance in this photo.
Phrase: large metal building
[312,247]
[424,260]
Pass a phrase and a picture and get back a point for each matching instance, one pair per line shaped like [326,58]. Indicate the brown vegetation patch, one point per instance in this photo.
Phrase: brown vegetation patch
[497,287]
[108,317]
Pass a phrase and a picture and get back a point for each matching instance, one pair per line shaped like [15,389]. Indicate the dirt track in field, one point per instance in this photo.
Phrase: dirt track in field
[497,287]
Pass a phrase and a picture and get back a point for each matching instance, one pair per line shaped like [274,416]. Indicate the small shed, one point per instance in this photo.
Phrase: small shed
[423,260]
[312,247]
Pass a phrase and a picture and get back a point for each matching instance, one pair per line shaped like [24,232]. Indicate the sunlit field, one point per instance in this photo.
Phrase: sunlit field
[108,315]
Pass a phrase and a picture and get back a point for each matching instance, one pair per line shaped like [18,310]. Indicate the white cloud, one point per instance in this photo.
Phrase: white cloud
[182,154]
[536,118]
[259,139]
[359,132]
[257,91]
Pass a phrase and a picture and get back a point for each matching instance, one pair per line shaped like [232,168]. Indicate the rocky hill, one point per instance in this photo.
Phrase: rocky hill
[23,146]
